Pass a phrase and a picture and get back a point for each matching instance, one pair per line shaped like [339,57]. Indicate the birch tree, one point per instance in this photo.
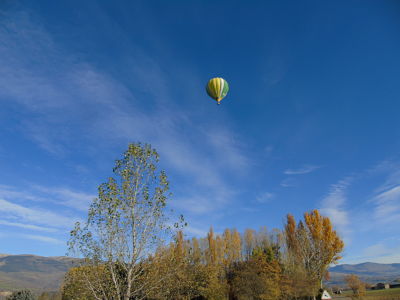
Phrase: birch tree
[126,223]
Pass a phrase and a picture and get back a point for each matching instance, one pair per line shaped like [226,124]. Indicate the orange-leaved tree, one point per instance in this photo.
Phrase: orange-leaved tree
[356,285]
[314,244]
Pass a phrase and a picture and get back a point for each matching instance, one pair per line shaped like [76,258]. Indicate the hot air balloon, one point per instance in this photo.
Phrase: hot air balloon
[217,88]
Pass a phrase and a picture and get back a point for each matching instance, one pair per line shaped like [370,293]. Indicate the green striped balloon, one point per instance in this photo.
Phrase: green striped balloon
[217,88]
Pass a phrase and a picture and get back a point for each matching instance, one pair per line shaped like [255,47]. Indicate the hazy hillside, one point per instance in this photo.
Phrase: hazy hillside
[369,269]
[369,272]
[33,272]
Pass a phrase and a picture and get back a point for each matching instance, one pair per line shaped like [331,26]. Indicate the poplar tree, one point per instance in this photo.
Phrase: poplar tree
[249,242]
[324,241]
[126,223]
[313,244]
[236,246]
[196,256]
[211,251]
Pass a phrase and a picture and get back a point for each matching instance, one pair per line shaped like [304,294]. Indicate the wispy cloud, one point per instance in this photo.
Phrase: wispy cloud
[194,231]
[377,250]
[42,238]
[333,206]
[291,181]
[34,216]
[265,197]
[303,170]
[62,196]
[288,182]
[204,201]
[372,218]
[27,226]
[386,198]
[226,143]
[379,253]
[276,66]
[67,197]
[195,204]
[9,192]
[387,206]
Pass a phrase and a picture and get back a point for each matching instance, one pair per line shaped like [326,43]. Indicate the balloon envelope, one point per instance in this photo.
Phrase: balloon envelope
[217,88]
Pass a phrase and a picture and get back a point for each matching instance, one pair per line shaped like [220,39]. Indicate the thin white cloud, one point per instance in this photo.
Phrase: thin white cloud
[288,182]
[42,238]
[45,137]
[197,232]
[390,258]
[225,143]
[388,168]
[204,202]
[67,197]
[379,253]
[377,250]
[386,198]
[27,226]
[265,197]
[387,206]
[276,66]
[63,196]
[303,170]
[33,216]
[9,192]
[195,204]
[336,195]
[333,206]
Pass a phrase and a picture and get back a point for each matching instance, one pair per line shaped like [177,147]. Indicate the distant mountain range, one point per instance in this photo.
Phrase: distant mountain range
[368,271]
[36,273]
[40,273]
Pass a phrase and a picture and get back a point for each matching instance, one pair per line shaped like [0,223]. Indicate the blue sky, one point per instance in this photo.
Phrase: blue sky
[311,120]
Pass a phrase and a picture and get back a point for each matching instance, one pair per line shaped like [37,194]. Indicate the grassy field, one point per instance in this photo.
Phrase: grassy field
[387,294]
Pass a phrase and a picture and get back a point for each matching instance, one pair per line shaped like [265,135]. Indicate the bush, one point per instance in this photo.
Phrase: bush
[21,295]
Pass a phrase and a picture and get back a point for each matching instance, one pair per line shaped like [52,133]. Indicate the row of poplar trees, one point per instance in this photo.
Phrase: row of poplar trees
[123,253]
[288,264]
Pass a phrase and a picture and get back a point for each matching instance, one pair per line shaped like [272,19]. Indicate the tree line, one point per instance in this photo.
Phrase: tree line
[278,264]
